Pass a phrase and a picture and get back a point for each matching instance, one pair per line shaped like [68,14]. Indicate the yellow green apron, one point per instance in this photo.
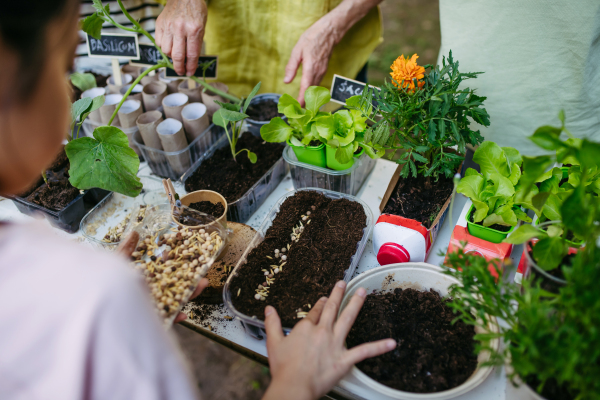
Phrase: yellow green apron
[254,40]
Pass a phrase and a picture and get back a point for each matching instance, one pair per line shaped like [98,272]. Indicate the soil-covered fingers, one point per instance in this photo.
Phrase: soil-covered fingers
[330,309]
[273,328]
[315,312]
[368,350]
[348,316]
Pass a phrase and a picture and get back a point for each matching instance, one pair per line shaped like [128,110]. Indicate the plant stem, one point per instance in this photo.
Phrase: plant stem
[138,79]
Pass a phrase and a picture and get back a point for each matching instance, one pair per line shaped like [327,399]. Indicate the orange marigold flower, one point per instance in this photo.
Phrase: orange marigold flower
[406,70]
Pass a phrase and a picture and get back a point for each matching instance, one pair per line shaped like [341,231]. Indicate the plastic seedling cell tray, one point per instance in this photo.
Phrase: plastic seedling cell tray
[158,160]
[242,209]
[348,181]
[69,218]
[256,327]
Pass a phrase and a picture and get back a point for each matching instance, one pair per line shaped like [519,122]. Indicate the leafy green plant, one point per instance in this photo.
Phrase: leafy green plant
[426,120]
[551,340]
[301,127]
[493,190]
[228,115]
[83,81]
[342,131]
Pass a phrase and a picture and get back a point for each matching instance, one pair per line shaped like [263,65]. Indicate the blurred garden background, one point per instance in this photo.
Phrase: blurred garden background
[410,26]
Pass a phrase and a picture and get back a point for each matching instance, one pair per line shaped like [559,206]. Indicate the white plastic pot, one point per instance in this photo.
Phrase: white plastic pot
[419,276]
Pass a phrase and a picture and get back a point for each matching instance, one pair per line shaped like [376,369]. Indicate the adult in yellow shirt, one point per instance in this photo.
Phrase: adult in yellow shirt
[268,40]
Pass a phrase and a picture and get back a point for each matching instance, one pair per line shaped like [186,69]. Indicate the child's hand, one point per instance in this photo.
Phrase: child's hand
[312,358]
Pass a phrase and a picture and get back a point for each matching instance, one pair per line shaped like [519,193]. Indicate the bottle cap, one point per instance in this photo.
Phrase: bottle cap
[392,253]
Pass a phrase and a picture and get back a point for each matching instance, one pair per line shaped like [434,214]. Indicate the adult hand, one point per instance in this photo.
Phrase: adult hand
[312,50]
[180,31]
[127,247]
[312,358]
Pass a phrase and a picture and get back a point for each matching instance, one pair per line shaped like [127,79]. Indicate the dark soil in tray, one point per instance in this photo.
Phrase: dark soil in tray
[497,227]
[314,264]
[214,209]
[230,178]
[100,82]
[548,284]
[265,110]
[432,353]
[552,390]
[419,198]
[58,192]
[358,150]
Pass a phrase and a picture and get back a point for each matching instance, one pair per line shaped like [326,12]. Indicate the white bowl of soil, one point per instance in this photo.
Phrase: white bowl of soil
[422,277]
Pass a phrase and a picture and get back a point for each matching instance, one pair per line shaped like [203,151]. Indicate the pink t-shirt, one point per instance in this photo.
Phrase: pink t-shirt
[78,324]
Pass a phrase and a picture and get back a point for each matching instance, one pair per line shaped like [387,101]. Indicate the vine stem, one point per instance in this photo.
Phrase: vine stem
[139,29]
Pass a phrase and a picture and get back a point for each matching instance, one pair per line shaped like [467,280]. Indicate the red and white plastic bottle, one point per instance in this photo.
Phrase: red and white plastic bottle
[397,240]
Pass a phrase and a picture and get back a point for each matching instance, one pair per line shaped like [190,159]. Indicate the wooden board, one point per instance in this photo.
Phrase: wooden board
[218,273]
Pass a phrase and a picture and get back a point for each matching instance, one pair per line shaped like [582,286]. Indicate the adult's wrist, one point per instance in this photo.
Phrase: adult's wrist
[289,389]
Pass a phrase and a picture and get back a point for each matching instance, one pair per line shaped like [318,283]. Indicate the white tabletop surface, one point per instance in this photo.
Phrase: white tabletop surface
[494,387]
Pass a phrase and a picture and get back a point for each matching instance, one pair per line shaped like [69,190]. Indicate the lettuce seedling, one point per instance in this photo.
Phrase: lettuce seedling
[301,127]
[341,131]
[493,190]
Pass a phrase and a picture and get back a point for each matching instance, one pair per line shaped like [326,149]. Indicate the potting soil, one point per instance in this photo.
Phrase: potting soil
[264,110]
[232,178]
[214,209]
[313,265]
[419,198]
[432,354]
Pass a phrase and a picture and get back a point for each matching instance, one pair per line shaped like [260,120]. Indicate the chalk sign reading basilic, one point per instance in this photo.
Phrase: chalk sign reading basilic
[211,70]
[114,45]
[343,88]
[149,55]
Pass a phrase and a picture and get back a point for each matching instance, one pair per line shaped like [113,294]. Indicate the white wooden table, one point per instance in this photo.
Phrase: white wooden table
[232,334]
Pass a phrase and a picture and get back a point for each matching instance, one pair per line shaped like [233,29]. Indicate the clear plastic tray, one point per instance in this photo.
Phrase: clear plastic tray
[348,181]
[242,209]
[158,159]
[253,325]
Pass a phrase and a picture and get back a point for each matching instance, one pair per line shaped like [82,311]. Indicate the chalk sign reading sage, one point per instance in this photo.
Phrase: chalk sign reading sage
[343,88]
[149,55]
[114,45]
[211,71]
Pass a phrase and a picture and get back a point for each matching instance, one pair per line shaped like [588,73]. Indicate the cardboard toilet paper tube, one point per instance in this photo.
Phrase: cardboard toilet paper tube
[107,110]
[112,88]
[133,70]
[195,95]
[173,104]
[147,123]
[171,135]
[195,120]
[94,92]
[208,98]
[153,94]
[136,93]
[149,79]
[129,113]
[172,83]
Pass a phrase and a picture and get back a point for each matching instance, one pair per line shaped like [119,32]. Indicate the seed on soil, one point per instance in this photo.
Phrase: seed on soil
[283,258]
[276,255]
[266,273]
[276,270]
[257,296]
[270,258]
[308,213]
[304,218]
[283,249]
[276,251]
[262,298]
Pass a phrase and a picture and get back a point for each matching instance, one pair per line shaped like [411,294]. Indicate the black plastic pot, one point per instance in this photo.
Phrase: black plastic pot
[68,218]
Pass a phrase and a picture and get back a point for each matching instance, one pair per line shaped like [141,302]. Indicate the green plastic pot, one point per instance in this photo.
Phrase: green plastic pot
[333,163]
[362,151]
[313,155]
[485,232]
[565,171]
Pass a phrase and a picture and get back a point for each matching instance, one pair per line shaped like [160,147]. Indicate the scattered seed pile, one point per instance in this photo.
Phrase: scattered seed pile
[173,264]
[322,235]
[214,209]
[432,354]
[115,233]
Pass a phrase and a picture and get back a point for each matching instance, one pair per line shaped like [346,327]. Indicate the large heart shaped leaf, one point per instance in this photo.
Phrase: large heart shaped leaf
[105,161]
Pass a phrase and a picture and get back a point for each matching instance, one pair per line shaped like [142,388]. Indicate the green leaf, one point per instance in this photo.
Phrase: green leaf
[80,107]
[83,81]
[223,116]
[470,172]
[547,137]
[491,160]
[524,233]
[92,25]
[285,101]
[589,153]
[493,219]
[105,161]
[252,157]
[539,200]
[97,102]
[481,212]
[573,216]
[250,97]
[508,215]
[549,252]
[344,154]
[276,131]
[373,153]
[513,156]
[471,186]
[561,117]
[515,174]
[228,106]
[325,127]
[315,97]
[551,208]
[359,122]
[521,215]
[533,168]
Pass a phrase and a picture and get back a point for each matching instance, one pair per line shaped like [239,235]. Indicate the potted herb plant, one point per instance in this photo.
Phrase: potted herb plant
[494,213]
[300,132]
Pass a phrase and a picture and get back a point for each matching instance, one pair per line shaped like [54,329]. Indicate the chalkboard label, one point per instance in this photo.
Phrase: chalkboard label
[211,72]
[114,45]
[343,88]
[149,55]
